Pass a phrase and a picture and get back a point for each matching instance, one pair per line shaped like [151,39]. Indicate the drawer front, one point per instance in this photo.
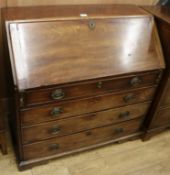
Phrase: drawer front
[78,107]
[162,118]
[166,99]
[81,123]
[91,88]
[80,140]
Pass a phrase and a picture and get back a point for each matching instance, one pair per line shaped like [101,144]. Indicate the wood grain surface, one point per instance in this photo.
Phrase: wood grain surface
[2,65]
[161,12]
[78,107]
[79,140]
[159,118]
[15,3]
[91,88]
[65,49]
[107,50]
[81,123]
[137,158]
[54,2]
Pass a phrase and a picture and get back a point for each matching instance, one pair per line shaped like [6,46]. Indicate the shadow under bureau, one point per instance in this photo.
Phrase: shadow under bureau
[84,76]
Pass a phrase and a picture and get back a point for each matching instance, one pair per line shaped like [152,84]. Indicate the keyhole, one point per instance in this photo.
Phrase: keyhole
[92,24]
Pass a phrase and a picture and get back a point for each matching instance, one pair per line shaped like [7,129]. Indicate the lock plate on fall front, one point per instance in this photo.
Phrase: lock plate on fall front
[92,24]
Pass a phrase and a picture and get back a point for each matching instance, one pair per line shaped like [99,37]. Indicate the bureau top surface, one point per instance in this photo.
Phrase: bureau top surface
[76,43]
[162,12]
[72,11]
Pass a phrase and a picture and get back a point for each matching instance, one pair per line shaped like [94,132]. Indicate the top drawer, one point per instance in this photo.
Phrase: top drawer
[90,88]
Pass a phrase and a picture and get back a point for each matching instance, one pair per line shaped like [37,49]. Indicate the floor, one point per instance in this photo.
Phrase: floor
[130,158]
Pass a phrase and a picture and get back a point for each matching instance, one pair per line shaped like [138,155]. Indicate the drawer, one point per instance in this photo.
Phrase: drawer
[162,118]
[84,122]
[80,140]
[166,100]
[90,88]
[88,105]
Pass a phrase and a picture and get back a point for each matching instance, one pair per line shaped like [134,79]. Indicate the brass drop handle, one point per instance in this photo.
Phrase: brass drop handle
[55,130]
[124,115]
[54,146]
[92,24]
[118,130]
[58,94]
[56,112]
[135,81]
[129,98]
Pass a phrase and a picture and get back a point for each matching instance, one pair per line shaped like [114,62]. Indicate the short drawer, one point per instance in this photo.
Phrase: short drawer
[162,118]
[92,88]
[78,107]
[80,140]
[81,123]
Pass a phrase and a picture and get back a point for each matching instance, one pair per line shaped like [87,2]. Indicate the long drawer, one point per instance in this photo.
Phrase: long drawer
[92,88]
[76,124]
[162,118]
[78,107]
[80,140]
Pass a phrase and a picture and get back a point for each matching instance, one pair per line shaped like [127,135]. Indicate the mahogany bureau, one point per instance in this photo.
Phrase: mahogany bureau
[84,76]
[159,115]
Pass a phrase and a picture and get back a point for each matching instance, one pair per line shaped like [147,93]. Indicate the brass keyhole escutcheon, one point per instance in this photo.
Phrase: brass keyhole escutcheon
[118,130]
[55,130]
[92,24]
[129,98]
[99,85]
[124,115]
[54,146]
[56,112]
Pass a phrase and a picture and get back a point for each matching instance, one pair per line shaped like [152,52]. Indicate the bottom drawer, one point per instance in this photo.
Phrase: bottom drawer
[162,118]
[80,140]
